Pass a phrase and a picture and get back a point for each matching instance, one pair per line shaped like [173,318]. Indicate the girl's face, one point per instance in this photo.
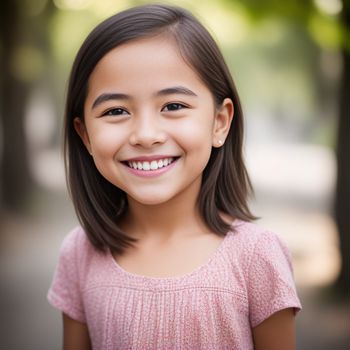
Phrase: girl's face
[150,122]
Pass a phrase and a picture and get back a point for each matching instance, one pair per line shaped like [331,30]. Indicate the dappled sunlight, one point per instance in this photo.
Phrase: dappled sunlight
[330,7]
[47,167]
[46,158]
[236,29]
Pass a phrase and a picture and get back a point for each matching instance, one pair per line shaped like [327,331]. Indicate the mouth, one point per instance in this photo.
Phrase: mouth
[150,165]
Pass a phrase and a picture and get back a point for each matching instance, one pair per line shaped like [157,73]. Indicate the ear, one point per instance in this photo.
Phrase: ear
[80,128]
[222,122]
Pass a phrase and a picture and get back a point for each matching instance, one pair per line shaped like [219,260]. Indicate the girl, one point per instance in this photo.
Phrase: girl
[165,257]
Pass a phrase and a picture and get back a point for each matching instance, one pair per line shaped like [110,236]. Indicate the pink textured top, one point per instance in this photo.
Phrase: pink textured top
[246,280]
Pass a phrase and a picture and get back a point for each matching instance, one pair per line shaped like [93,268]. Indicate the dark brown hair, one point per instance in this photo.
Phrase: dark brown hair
[225,184]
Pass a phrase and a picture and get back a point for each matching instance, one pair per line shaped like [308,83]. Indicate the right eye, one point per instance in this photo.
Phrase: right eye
[115,112]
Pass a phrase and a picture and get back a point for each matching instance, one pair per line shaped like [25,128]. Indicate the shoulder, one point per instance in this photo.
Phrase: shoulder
[77,256]
[266,264]
[76,244]
[73,238]
[248,234]
[70,274]
[250,241]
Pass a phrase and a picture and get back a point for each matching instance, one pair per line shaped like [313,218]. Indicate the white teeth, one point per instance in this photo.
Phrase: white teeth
[146,166]
[153,165]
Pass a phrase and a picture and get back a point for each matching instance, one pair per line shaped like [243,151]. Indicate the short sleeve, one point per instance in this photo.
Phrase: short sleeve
[271,286]
[65,292]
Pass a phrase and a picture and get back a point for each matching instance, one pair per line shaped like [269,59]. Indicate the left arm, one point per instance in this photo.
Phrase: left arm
[277,332]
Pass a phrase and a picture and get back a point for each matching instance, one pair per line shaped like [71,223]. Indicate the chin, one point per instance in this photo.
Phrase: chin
[150,199]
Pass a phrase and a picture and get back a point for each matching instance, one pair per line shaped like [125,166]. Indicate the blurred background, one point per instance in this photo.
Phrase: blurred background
[291,62]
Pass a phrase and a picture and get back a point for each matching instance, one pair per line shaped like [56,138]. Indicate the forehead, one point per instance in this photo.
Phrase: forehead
[152,62]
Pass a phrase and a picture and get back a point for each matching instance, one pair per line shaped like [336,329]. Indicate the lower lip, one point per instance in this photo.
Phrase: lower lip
[151,173]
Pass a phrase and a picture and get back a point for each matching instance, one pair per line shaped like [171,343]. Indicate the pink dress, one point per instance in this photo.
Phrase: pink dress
[247,279]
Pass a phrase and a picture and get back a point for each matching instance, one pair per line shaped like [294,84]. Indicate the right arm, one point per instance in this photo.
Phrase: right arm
[75,335]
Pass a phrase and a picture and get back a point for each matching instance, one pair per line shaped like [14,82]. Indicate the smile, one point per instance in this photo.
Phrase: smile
[150,165]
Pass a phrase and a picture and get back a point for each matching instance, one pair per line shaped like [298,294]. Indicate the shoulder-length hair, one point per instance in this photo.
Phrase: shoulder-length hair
[225,183]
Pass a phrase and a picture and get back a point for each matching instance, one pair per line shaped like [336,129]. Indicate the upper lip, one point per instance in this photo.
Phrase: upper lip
[148,158]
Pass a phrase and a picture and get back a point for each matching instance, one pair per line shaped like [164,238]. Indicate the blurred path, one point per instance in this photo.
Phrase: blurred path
[29,252]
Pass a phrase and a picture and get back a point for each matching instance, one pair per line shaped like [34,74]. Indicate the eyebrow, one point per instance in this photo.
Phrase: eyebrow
[176,90]
[108,97]
[164,92]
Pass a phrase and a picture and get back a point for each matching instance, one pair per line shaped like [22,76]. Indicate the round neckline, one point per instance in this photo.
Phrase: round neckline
[174,278]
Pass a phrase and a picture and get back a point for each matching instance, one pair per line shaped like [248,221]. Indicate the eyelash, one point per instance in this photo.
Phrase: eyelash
[181,105]
[122,111]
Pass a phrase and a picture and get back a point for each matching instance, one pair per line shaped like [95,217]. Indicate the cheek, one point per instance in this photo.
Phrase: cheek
[196,142]
[197,134]
[106,140]
[105,144]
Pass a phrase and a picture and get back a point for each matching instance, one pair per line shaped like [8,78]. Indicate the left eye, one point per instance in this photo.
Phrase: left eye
[115,111]
[173,107]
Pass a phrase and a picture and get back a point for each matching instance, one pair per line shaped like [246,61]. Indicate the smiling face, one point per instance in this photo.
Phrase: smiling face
[150,122]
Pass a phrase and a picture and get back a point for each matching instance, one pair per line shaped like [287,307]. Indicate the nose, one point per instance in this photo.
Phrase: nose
[147,132]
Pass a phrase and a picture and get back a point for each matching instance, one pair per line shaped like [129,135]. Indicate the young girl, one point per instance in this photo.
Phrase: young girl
[165,257]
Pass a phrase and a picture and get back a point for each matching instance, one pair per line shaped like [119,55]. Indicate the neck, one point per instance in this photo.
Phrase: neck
[178,216]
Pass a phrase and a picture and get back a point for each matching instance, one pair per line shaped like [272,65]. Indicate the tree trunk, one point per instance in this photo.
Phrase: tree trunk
[16,29]
[342,201]
[15,175]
